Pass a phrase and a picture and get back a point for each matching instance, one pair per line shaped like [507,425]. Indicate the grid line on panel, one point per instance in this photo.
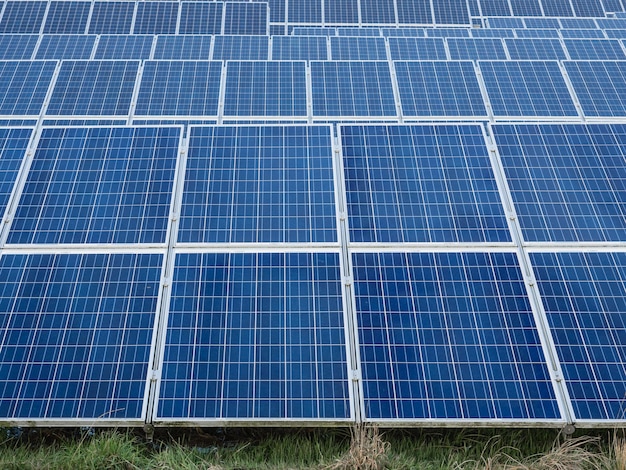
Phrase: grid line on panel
[201,18]
[67,17]
[299,48]
[25,85]
[245,18]
[13,145]
[124,47]
[110,17]
[241,48]
[17,46]
[158,17]
[600,86]
[23,17]
[416,48]
[175,47]
[535,49]
[61,47]
[592,49]
[476,49]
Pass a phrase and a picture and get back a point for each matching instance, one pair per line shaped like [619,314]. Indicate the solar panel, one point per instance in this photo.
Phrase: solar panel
[612,6]
[124,47]
[495,8]
[341,11]
[358,48]
[359,31]
[24,86]
[76,334]
[241,48]
[537,33]
[557,8]
[577,23]
[592,49]
[582,34]
[535,49]
[377,11]
[506,22]
[156,17]
[201,18]
[178,88]
[588,8]
[403,48]
[182,48]
[67,17]
[599,86]
[408,32]
[65,46]
[566,180]
[305,11]
[110,17]
[352,89]
[611,23]
[527,88]
[447,32]
[449,336]
[17,46]
[314,31]
[414,12]
[615,33]
[583,295]
[245,18]
[542,23]
[13,145]
[98,185]
[421,184]
[96,87]
[450,12]
[277,13]
[476,49]
[526,8]
[299,48]
[23,17]
[493,33]
[267,343]
[271,184]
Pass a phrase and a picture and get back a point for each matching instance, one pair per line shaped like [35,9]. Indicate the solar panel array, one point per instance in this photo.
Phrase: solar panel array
[409,212]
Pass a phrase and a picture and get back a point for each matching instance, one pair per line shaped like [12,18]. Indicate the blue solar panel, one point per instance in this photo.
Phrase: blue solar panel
[314,31]
[93,88]
[259,185]
[592,49]
[13,144]
[537,33]
[277,11]
[77,333]
[359,31]
[269,341]
[182,48]
[377,11]
[299,48]
[408,32]
[578,23]
[506,23]
[557,8]
[615,33]
[542,23]
[527,89]
[403,48]
[124,47]
[17,46]
[341,11]
[495,7]
[358,48]
[588,8]
[22,17]
[414,12]
[451,12]
[612,6]
[421,184]
[245,18]
[582,34]
[67,17]
[98,185]
[492,33]
[439,89]
[241,48]
[526,8]
[476,49]
[599,86]
[178,88]
[611,23]
[112,17]
[448,32]
[583,295]
[567,180]
[305,11]
[201,18]
[352,89]
[449,336]
[65,46]
[156,18]
[24,86]
[535,49]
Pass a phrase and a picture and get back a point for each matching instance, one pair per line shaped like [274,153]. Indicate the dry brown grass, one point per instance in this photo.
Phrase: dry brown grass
[619,453]
[367,450]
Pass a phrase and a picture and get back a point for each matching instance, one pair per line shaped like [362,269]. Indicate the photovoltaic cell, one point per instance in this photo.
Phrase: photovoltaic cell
[557,8]
[506,23]
[246,18]
[592,49]
[537,33]
[447,32]
[201,18]
[476,49]
[277,11]
[182,48]
[241,48]
[358,48]
[70,46]
[13,145]
[492,33]
[405,31]
[268,343]
[566,180]
[341,11]
[299,48]
[414,12]
[421,184]
[255,184]
[451,12]
[599,86]
[616,33]
[584,298]
[407,48]
[495,7]
[588,8]
[542,23]
[612,6]
[76,334]
[111,17]
[526,7]
[305,11]
[17,46]
[98,185]
[377,11]
[96,87]
[124,47]
[535,49]
[67,17]
[156,18]
[577,23]
[23,17]
[24,86]
[449,336]
[582,34]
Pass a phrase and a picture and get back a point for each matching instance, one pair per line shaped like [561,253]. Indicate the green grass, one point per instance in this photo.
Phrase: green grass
[364,448]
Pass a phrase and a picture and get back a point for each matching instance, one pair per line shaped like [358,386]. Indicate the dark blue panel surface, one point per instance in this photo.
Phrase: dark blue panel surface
[17,46]
[267,342]
[492,33]
[447,32]
[341,11]
[13,144]
[557,8]
[506,22]
[201,18]
[156,18]
[578,23]
[567,181]
[23,17]
[182,48]
[111,17]
[599,86]
[60,47]
[584,8]
[591,49]
[124,47]
[451,12]
[76,334]
[421,184]
[449,336]
[277,10]
[585,300]
[377,11]
[245,18]
[67,17]
[259,185]
[476,49]
[358,48]
[404,32]
[537,33]
[495,7]
[526,7]
[542,23]
[535,49]
[241,48]
[409,48]
[299,48]
[98,185]
[24,86]
[582,34]
[612,6]
[414,12]
[305,11]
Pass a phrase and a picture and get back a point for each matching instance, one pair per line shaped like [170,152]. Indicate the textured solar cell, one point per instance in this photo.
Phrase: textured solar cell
[476,49]
[542,23]
[421,184]
[530,88]
[377,11]
[98,185]
[182,48]
[557,8]
[13,144]
[23,17]
[506,23]
[67,17]
[24,86]
[495,8]
[407,32]
[17,46]
[268,342]
[358,48]
[588,8]
[449,336]
[526,8]
[110,17]
[537,33]
[599,86]
[245,18]
[314,31]
[566,180]
[156,17]
[584,298]
[201,18]
[591,49]
[93,88]
[277,11]
[366,31]
[408,48]
[615,33]
[612,6]
[414,12]
[582,34]
[299,48]
[259,185]
[577,23]
[535,49]
[493,33]
[241,48]
[352,89]
[65,46]
[76,334]
[447,32]
[124,47]
[305,11]
[450,12]
[341,11]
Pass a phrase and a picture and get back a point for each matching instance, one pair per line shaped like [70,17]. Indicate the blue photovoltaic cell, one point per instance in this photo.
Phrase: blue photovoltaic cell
[22,17]
[527,89]
[367,31]
[537,33]
[414,12]
[476,49]
[407,32]
[179,88]
[542,23]
[557,8]
[535,49]
[474,10]
[495,7]
[599,86]
[451,12]
[492,33]
[268,342]
[156,18]
[111,17]
[182,48]
[407,184]
[265,89]
[269,184]
[305,11]
[566,180]
[76,334]
[98,185]
[584,8]
[201,18]
[17,46]
[616,33]
[447,32]
[449,336]
[93,88]
[277,11]
[299,48]
[241,48]
[612,6]
[13,144]
[124,47]
[585,299]
[506,22]
[408,48]
[611,23]
[526,7]
[24,86]
[246,18]
[67,17]
[65,46]
[578,23]
[358,48]
[352,89]
[377,11]
[341,11]
[439,89]
[582,34]
[592,49]
[314,31]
